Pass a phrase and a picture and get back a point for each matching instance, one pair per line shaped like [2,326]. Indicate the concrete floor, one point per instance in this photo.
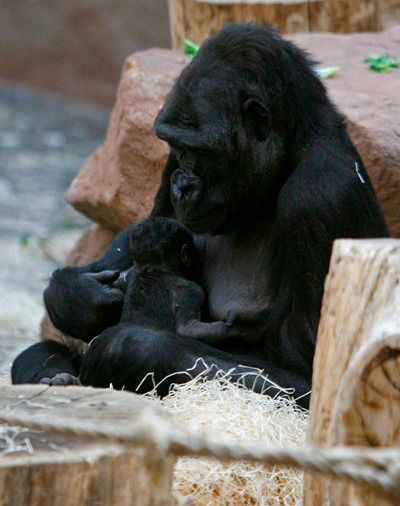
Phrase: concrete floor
[43,142]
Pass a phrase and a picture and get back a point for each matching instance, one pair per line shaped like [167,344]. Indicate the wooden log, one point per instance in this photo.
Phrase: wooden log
[388,13]
[197,19]
[343,16]
[356,380]
[67,470]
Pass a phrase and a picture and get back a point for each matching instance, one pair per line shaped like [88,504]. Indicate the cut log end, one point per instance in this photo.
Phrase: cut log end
[40,467]
[356,380]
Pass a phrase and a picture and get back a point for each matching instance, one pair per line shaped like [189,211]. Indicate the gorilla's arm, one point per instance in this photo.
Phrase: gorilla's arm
[83,301]
[324,199]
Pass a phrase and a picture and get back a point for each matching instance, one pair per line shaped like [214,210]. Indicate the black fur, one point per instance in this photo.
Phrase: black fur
[263,172]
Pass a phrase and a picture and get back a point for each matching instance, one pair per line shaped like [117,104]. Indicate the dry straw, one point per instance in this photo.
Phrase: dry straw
[219,408]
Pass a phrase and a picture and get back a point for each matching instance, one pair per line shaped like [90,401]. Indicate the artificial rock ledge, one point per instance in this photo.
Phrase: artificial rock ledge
[117,183]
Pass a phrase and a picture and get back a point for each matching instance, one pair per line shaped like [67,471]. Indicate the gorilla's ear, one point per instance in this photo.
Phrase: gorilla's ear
[185,255]
[255,113]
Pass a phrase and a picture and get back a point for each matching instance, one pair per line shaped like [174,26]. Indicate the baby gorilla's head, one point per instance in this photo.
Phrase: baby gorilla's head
[162,242]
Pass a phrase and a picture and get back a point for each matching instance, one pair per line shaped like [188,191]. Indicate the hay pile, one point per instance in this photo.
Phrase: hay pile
[218,407]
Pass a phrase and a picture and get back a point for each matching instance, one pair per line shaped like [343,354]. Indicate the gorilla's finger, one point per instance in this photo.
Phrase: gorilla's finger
[112,294]
[232,317]
[106,276]
[122,280]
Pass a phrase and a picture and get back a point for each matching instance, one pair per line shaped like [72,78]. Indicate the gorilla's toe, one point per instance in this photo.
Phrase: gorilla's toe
[63,379]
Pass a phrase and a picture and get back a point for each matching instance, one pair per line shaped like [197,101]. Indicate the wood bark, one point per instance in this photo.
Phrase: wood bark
[67,470]
[196,20]
[356,381]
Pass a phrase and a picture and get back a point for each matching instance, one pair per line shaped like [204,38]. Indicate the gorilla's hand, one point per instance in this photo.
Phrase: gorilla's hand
[100,287]
[82,305]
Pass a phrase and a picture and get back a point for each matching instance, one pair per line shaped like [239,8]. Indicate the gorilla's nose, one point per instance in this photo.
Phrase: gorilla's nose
[185,188]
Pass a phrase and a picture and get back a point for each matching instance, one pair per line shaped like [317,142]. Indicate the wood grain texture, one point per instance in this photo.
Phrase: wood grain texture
[343,16]
[196,20]
[388,13]
[356,380]
[65,470]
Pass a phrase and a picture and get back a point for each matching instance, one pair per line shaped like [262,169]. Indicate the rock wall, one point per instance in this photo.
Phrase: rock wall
[370,103]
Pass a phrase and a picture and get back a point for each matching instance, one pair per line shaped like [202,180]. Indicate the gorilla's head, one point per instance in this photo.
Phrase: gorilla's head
[236,121]
[161,242]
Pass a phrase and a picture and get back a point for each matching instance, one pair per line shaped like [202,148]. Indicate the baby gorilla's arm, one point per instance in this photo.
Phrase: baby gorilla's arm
[210,333]
[188,319]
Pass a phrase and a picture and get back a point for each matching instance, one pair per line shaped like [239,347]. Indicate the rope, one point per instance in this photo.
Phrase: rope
[376,468]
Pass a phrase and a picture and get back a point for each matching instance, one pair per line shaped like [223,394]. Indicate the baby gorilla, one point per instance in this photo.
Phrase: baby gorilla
[160,291]
[161,298]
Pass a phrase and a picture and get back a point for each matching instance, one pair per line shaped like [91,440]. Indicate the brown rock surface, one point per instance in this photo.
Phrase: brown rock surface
[370,103]
[90,246]
[117,184]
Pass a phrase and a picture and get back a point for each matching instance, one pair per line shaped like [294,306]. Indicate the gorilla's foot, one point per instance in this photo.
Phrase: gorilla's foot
[61,379]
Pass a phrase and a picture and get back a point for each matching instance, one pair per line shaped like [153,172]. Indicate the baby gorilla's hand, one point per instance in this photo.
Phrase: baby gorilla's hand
[249,326]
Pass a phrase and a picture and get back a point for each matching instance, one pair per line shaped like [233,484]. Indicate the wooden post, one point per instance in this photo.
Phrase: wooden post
[356,381]
[197,19]
[388,13]
[66,469]
[344,16]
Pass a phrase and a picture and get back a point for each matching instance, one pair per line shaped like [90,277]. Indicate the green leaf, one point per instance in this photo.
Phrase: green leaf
[190,48]
[381,63]
[68,222]
[327,72]
[25,239]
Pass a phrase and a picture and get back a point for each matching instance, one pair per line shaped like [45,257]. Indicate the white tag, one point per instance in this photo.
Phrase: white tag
[359,173]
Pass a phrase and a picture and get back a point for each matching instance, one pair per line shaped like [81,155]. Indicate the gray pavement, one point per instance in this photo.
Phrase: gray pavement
[43,142]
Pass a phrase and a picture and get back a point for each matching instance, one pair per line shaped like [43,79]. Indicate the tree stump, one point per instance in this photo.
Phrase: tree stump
[356,380]
[198,19]
[63,469]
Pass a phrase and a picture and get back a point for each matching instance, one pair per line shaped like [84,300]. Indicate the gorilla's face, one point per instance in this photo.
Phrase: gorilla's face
[226,150]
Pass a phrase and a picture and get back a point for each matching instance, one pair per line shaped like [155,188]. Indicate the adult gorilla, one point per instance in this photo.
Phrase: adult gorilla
[263,172]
